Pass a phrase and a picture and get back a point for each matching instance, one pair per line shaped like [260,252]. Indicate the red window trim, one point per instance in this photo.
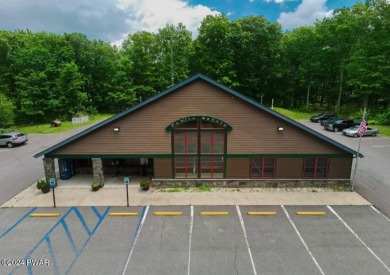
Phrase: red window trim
[262,168]
[199,154]
[315,168]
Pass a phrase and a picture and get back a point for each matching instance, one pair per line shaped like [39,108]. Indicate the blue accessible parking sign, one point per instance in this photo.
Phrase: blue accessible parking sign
[52,182]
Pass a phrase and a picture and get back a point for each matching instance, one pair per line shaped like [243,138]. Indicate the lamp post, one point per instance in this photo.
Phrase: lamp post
[172,68]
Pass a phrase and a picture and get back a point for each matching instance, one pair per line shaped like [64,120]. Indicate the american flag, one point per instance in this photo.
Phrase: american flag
[362,127]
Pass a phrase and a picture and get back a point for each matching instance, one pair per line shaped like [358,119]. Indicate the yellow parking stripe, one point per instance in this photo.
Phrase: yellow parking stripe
[168,213]
[262,213]
[310,213]
[123,214]
[44,215]
[214,213]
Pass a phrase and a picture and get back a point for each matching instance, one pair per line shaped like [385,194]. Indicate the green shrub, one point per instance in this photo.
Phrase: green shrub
[383,118]
[145,184]
[42,184]
[203,188]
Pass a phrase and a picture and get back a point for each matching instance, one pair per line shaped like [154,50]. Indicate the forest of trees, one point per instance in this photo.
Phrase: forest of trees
[339,63]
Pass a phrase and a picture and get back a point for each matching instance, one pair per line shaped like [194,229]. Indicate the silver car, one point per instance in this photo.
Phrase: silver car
[13,138]
[354,131]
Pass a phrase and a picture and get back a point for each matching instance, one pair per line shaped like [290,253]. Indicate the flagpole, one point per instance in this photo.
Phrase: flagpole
[358,151]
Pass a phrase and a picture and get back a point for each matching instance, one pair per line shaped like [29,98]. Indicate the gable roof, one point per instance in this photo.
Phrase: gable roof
[174,88]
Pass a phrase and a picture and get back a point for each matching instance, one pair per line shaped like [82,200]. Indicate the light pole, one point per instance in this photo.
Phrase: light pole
[172,68]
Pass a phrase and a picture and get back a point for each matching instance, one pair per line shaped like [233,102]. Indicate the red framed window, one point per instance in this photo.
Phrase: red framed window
[199,149]
[186,142]
[263,167]
[186,167]
[315,167]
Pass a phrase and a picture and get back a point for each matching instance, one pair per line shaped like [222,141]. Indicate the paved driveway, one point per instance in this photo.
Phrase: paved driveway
[87,240]
[372,177]
[19,169]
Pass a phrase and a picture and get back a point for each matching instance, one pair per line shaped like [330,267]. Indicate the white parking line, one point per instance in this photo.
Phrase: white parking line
[357,237]
[380,213]
[189,247]
[246,239]
[139,227]
[302,240]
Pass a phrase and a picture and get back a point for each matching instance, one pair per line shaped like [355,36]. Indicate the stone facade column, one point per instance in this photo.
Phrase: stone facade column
[97,167]
[50,169]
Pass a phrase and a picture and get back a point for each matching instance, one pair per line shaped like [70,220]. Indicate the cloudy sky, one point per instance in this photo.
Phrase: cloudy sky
[112,20]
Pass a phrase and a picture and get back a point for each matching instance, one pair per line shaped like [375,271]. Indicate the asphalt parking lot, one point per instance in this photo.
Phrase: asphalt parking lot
[88,240]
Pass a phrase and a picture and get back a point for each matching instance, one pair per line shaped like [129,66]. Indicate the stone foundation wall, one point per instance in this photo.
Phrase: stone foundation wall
[97,166]
[49,167]
[234,183]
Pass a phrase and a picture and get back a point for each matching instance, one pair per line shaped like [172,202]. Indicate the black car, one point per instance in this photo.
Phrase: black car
[330,120]
[320,117]
[339,125]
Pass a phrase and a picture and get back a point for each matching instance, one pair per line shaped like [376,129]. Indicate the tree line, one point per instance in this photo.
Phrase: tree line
[340,63]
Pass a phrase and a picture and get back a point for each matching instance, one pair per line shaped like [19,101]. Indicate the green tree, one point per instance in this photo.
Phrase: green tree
[255,46]
[213,54]
[6,111]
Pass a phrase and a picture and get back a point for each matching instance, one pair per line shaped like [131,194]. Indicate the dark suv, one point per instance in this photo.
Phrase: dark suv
[321,117]
[339,125]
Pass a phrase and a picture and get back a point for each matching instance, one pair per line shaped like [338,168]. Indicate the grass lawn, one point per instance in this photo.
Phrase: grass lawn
[384,130]
[65,126]
[294,114]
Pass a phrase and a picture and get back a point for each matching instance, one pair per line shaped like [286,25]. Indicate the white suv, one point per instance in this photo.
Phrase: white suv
[12,139]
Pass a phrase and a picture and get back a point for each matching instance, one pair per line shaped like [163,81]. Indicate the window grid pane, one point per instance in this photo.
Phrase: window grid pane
[186,167]
[262,167]
[315,168]
[187,147]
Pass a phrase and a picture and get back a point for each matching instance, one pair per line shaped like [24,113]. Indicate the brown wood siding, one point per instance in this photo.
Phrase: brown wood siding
[143,131]
[163,168]
[340,168]
[237,168]
[289,168]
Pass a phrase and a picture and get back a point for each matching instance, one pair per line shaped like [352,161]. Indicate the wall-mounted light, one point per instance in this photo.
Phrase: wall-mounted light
[117,129]
[280,128]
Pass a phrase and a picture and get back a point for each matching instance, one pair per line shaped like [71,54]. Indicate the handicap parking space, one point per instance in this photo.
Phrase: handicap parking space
[107,252]
[198,240]
[21,233]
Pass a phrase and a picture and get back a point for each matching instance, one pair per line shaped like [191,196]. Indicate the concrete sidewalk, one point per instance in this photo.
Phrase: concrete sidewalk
[77,192]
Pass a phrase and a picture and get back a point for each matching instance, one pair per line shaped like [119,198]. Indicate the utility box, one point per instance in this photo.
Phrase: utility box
[66,168]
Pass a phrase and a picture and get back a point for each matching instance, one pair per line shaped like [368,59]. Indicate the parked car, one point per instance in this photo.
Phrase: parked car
[339,125]
[330,120]
[322,116]
[13,138]
[354,132]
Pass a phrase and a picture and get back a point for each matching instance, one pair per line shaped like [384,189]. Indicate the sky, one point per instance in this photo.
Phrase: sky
[113,20]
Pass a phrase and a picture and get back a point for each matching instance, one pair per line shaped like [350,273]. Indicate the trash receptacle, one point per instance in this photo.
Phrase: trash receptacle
[66,168]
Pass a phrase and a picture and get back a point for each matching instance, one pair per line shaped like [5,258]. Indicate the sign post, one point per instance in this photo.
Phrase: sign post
[126,181]
[52,182]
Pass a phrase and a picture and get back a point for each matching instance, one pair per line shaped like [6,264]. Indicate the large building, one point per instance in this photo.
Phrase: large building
[200,130]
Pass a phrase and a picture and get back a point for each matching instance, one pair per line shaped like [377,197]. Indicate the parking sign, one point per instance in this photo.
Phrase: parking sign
[52,182]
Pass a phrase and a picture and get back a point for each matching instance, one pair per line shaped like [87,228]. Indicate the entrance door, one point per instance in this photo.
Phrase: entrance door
[199,148]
